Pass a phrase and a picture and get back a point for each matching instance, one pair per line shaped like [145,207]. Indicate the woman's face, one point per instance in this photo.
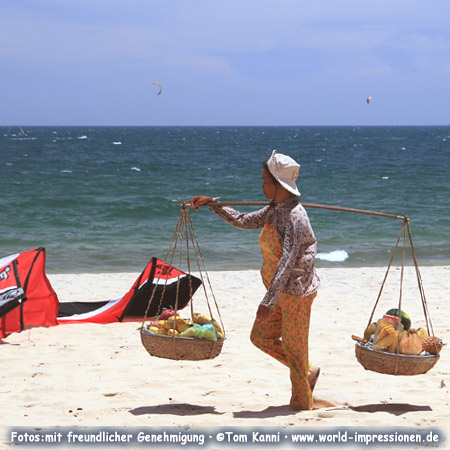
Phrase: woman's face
[268,186]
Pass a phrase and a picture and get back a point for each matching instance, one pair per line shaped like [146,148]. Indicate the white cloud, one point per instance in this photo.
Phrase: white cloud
[234,49]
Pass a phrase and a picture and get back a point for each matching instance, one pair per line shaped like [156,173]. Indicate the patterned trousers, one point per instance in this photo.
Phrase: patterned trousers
[284,336]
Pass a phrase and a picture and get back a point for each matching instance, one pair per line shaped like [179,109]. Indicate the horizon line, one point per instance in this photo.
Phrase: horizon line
[222,126]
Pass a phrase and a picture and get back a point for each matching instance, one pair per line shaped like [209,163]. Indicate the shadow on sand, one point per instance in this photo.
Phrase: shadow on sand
[392,408]
[271,411]
[177,409]
[187,409]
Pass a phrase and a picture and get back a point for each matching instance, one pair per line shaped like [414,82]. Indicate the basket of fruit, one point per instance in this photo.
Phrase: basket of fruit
[170,336]
[393,363]
[386,349]
[183,339]
[390,345]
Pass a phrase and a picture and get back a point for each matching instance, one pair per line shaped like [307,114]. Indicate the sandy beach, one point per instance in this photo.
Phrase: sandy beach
[90,375]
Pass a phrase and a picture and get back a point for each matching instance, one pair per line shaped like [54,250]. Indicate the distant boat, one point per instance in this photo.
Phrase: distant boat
[22,133]
[83,136]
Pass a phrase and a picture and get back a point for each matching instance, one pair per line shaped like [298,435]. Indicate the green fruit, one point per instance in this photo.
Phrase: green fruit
[404,318]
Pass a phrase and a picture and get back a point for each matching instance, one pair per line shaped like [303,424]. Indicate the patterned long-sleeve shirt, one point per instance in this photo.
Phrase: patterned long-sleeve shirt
[295,274]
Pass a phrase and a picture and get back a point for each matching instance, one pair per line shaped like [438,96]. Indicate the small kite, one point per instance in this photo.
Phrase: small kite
[160,87]
[368,100]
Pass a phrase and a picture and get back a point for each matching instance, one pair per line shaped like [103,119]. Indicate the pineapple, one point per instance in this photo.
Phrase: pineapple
[432,345]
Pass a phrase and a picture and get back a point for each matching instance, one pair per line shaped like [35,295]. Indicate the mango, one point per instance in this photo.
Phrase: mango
[201,319]
[217,325]
[161,323]
[177,323]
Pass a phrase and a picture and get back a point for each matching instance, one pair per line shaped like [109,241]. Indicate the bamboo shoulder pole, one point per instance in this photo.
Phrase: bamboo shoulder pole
[405,218]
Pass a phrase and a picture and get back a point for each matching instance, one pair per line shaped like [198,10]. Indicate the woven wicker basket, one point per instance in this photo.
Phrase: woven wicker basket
[180,348]
[393,363]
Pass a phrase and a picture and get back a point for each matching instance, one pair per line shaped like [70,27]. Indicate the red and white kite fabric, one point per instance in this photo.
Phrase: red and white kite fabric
[27,298]
[169,284]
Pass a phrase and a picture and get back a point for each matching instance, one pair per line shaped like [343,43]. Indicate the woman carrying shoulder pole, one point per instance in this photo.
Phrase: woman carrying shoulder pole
[288,247]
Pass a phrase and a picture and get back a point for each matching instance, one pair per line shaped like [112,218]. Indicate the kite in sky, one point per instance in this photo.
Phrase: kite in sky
[160,87]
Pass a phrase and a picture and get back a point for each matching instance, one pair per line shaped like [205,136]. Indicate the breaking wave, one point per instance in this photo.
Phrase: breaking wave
[334,256]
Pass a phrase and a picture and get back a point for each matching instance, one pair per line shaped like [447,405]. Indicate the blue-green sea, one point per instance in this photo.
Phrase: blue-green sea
[105,199]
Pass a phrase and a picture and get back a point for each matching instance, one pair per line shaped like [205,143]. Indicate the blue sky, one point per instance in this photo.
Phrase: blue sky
[229,62]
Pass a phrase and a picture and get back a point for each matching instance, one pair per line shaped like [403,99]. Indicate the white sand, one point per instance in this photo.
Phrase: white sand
[91,375]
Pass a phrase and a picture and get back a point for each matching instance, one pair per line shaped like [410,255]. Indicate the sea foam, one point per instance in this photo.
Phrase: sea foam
[334,256]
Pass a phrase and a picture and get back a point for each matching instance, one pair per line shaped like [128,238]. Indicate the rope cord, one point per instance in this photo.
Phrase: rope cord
[170,262]
[405,229]
[420,284]
[386,275]
[199,255]
[402,272]
[199,258]
[397,349]
[184,230]
[173,243]
[188,257]
[180,259]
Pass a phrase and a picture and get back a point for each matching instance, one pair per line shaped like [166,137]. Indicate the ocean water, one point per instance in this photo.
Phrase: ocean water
[105,199]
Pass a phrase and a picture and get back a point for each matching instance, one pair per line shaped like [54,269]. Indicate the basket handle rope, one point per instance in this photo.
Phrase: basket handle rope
[426,312]
[405,229]
[201,263]
[171,250]
[184,230]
